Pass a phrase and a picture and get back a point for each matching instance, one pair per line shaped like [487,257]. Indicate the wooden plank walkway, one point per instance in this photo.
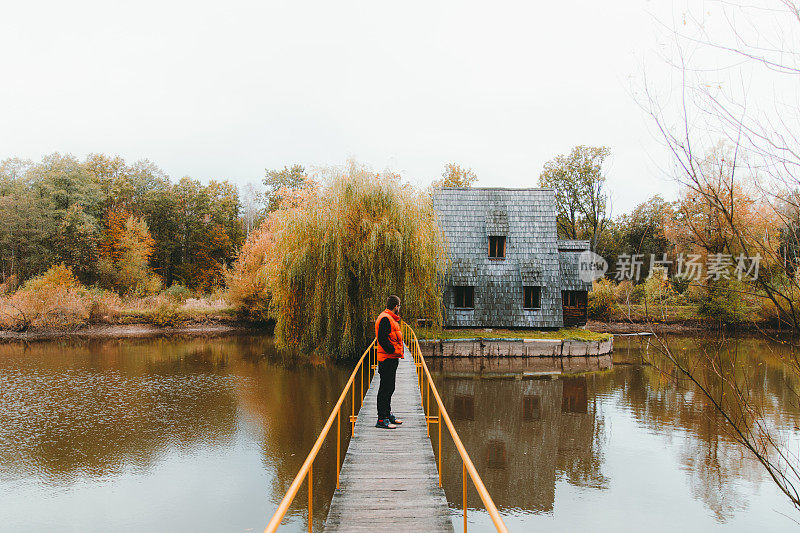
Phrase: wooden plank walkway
[389,480]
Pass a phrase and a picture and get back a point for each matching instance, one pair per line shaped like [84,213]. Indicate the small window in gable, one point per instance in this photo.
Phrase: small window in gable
[532,297]
[464,297]
[497,247]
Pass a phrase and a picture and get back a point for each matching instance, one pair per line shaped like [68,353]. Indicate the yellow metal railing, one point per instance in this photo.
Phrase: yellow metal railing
[365,368]
[426,388]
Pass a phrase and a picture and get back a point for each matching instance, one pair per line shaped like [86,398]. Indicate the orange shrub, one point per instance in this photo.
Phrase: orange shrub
[56,299]
[248,287]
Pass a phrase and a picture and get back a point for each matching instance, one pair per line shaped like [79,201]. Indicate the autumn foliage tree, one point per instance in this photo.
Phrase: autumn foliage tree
[735,65]
[248,280]
[454,175]
[721,210]
[279,183]
[332,253]
[125,253]
[63,209]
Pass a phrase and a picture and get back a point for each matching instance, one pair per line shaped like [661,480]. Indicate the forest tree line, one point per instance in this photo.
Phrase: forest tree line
[128,228]
[121,226]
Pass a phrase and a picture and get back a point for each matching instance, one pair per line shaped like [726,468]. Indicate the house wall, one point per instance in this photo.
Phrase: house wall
[468,216]
[569,251]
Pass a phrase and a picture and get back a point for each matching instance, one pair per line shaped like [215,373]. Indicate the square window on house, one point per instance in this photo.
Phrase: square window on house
[464,297]
[573,298]
[497,247]
[532,297]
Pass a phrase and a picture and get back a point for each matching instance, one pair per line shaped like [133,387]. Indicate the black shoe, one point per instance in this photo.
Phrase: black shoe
[385,424]
[395,420]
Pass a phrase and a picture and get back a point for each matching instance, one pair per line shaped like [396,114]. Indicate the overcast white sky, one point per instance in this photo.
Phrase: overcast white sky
[227,89]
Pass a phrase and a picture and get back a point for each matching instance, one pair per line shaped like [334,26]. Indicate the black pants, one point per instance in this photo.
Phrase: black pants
[388,370]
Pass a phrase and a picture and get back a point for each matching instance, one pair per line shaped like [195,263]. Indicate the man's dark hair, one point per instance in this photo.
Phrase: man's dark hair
[392,302]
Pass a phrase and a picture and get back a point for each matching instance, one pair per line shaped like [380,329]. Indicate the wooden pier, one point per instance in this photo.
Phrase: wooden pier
[388,480]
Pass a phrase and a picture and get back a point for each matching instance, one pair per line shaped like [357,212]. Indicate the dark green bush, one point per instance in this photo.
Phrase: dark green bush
[177,293]
[724,302]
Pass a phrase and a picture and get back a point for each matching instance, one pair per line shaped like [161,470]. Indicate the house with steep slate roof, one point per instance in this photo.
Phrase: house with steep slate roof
[508,268]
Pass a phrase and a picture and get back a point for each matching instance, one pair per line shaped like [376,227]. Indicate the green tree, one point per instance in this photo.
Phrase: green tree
[160,209]
[26,235]
[75,212]
[125,185]
[277,182]
[209,231]
[49,214]
[13,175]
[224,205]
[581,199]
[66,181]
[77,243]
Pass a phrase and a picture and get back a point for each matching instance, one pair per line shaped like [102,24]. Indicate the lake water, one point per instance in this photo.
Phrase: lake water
[207,434]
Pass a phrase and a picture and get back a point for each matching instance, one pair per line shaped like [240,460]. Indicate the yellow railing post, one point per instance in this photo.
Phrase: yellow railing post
[427,408]
[353,408]
[464,489]
[310,496]
[338,443]
[439,423]
[305,473]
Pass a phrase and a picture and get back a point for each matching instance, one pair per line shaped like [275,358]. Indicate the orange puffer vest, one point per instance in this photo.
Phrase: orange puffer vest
[395,336]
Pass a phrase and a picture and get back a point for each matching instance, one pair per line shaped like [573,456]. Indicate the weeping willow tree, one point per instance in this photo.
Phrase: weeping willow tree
[341,249]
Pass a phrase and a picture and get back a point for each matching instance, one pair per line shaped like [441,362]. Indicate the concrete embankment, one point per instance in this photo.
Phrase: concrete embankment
[482,347]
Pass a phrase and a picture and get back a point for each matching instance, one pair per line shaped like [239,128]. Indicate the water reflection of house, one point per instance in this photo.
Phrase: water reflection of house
[573,395]
[522,435]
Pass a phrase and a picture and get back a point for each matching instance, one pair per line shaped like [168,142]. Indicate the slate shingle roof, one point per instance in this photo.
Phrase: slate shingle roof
[527,218]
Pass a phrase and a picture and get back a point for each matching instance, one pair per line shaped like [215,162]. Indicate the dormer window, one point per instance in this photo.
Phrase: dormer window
[497,247]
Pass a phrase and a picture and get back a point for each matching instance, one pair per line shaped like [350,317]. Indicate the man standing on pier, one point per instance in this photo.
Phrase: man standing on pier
[390,349]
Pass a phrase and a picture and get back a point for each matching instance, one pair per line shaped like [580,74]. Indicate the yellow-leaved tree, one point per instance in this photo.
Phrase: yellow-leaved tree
[331,254]
[125,253]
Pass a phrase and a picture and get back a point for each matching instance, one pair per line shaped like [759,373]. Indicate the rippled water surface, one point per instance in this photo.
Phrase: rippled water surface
[207,434]
[158,435]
